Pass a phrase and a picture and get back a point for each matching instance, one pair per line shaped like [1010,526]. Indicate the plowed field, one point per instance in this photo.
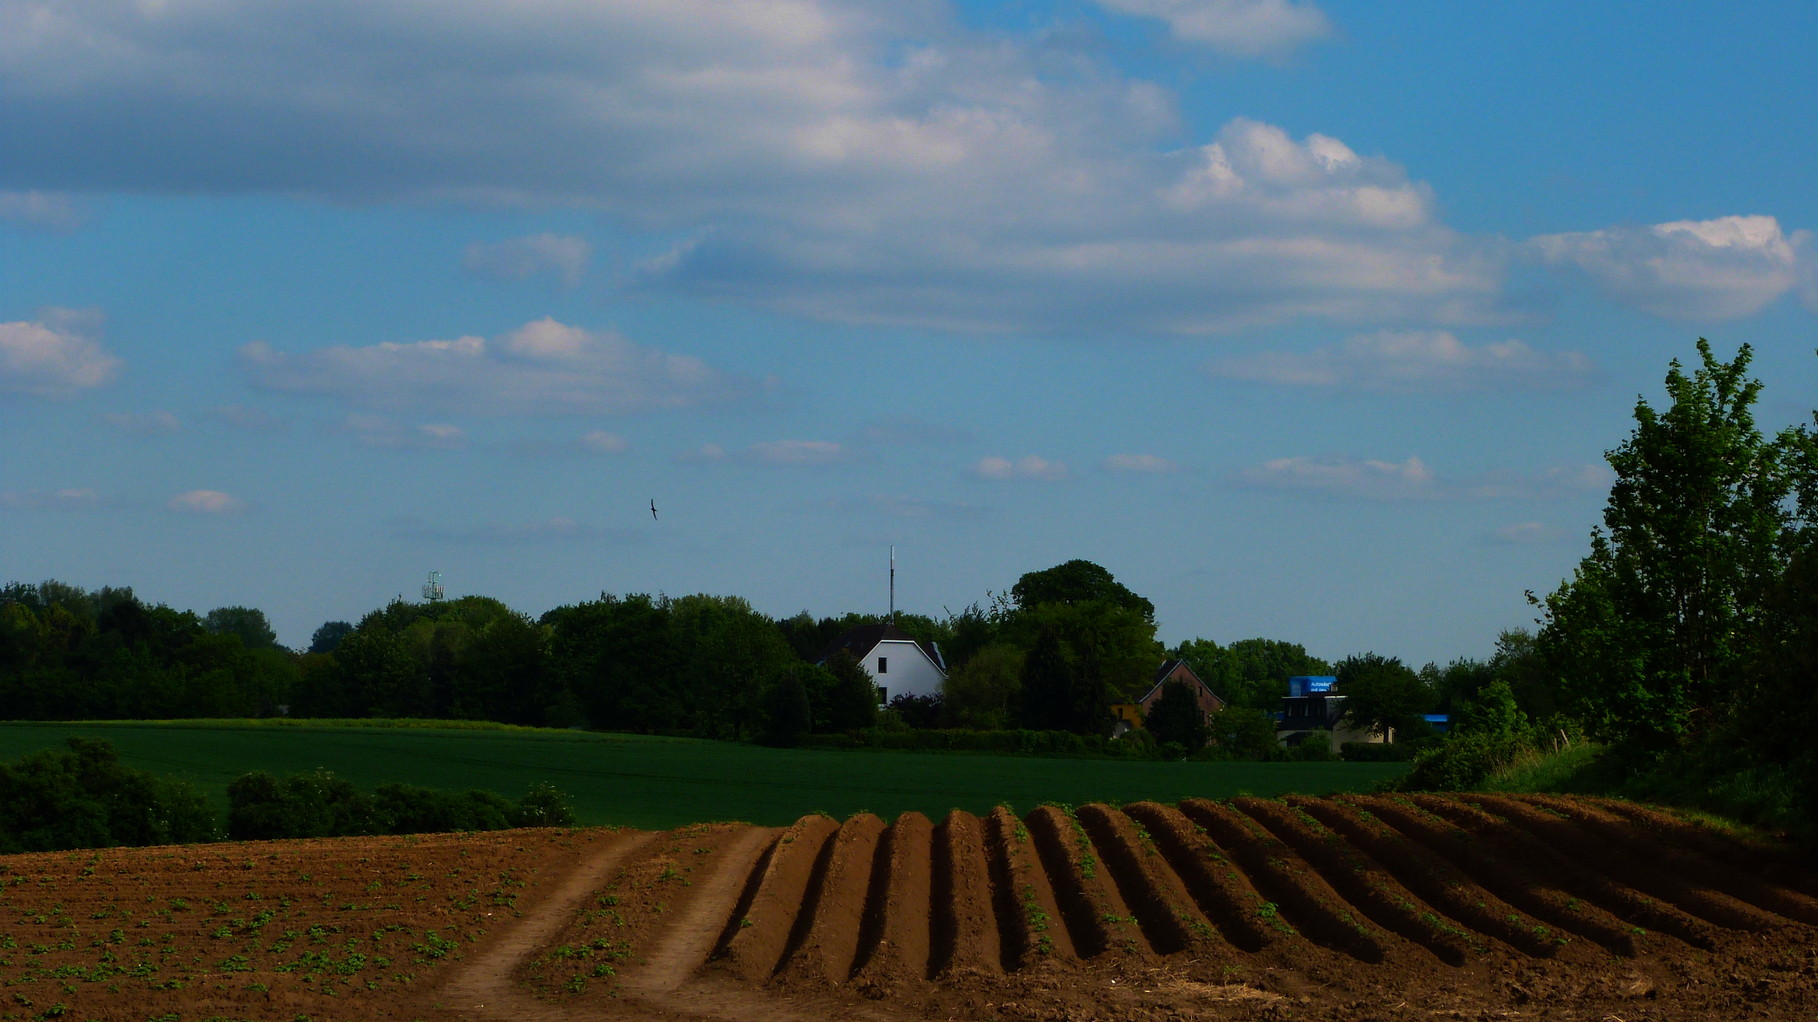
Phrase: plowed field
[1428,907]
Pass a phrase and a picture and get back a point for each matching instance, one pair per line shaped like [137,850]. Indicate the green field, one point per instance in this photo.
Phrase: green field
[658,783]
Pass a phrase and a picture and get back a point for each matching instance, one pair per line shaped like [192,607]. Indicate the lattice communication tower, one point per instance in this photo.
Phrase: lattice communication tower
[432,589]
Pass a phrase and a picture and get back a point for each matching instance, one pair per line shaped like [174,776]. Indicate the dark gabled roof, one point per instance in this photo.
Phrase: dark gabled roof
[1167,668]
[862,639]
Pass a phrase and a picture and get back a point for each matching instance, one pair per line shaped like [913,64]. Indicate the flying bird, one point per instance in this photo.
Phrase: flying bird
[653,514]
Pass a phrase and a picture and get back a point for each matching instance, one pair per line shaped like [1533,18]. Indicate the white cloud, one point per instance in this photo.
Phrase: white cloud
[1718,269]
[72,499]
[601,442]
[835,159]
[1145,463]
[1369,479]
[379,431]
[541,368]
[1239,28]
[46,211]
[1405,362]
[56,355]
[207,502]
[158,423]
[561,256]
[1029,466]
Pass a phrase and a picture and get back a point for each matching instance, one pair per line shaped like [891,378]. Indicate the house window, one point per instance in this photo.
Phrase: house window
[883,696]
[883,665]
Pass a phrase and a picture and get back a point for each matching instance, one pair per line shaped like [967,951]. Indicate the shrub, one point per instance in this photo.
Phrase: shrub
[84,797]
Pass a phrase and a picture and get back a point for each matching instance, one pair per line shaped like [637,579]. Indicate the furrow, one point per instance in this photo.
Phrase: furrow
[1220,891]
[1507,878]
[1028,916]
[895,938]
[1435,880]
[1624,884]
[1297,897]
[1643,866]
[1376,893]
[965,929]
[782,906]
[741,906]
[1061,859]
[1142,878]
[1748,903]
[1777,866]
[835,909]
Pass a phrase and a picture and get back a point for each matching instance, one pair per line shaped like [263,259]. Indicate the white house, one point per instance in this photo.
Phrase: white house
[897,663]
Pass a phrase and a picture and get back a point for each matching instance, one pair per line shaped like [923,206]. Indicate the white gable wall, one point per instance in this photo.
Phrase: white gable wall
[899,667]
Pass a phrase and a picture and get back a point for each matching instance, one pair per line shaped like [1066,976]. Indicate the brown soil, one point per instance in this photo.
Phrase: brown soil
[1357,908]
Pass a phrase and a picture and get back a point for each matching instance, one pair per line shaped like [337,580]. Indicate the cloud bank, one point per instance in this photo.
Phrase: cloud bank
[541,368]
[845,161]
[1408,362]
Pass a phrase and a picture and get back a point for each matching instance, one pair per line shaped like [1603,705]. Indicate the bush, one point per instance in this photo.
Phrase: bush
[543,806]
[318,804]
[84,797]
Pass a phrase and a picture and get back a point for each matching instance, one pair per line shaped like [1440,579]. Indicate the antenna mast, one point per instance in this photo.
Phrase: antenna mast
[432,589]
[893,583]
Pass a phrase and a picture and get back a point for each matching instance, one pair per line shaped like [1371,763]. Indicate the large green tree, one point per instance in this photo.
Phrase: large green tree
[1075,582]
[1652,633]
[1384,696]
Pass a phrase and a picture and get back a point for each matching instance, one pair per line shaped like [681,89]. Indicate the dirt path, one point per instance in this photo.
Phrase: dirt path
[482,986]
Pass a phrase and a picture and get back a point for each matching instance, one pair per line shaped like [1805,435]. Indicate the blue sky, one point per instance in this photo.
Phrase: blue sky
[1308,321]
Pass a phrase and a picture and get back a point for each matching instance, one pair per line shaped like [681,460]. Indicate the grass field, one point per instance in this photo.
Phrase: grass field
[658,783]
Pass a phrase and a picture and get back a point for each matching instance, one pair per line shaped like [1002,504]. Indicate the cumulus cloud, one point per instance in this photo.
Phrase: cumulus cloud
[1406,362]
[541,368]
[1029,466]
[59,354]
[1370,479]
[829,158]
[560,256]
[1238,28]
[1725,268]
[72,499]
[379,431]
[45,211]
[158,423]
[1143,463]
[207,502]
